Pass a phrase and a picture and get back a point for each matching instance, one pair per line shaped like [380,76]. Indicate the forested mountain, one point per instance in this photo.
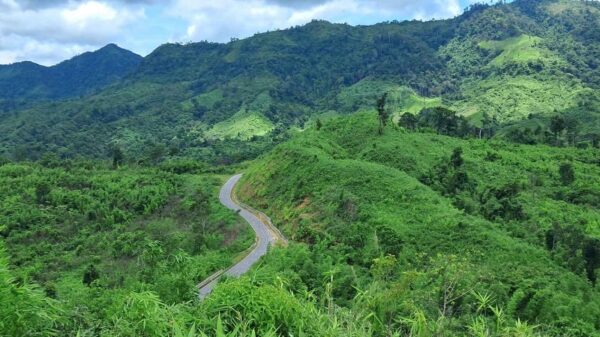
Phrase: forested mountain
[81,75]
[523,60]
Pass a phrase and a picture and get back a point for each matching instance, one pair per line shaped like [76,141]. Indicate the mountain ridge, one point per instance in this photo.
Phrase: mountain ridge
[476,64]
[79,75]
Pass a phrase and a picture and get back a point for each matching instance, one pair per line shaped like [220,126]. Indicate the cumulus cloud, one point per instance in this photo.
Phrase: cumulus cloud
[221,20]
[48,34]
[48,31]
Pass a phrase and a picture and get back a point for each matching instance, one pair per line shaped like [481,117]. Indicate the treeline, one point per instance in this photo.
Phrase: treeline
[559,131]
[447,122]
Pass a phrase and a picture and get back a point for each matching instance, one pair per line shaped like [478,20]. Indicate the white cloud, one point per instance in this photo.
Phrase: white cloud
[51,34]
[221,20]
[48,31]
[22,48]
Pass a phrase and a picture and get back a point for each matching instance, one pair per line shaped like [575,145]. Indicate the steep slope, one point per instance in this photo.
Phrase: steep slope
[78,76]
[409,227]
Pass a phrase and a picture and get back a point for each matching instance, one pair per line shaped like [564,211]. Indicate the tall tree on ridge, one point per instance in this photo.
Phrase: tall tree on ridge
[382,114]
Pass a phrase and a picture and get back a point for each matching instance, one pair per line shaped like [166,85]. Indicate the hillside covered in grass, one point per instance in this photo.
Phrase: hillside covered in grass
[466,235]
[507,61]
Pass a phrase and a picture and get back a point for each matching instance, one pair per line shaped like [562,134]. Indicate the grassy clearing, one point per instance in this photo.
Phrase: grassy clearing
[513,98]
[364,94]
[520,49]
[243,125]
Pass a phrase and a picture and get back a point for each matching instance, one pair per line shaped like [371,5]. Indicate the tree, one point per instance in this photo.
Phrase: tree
[199,110]
[20,153]
[488,126]
[408,121]
[383,268]
[572,127]
[456,158]
[319,124]
[118,156]
[50,160]
[502,202]
[382,113]
[567,173]
[156,153]
[591,255]
[557,126]
[42,190]
[594,139]
[90,275]
[444,121]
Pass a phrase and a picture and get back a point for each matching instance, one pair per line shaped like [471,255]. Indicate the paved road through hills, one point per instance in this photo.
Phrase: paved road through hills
[264,237]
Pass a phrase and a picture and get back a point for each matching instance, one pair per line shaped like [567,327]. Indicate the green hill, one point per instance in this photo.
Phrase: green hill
[400,220]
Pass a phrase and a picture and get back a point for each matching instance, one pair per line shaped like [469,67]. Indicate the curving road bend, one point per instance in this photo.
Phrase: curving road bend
[263,235]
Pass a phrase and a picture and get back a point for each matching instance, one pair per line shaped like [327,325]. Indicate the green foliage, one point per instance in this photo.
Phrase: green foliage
[363,94]
[242,126]
[521,49]
[83,74]
[567,173]
[230,102]
[444,122]
[408,121]
[406,233]
[90,275]
[117,250]
[470,242]
[25,310]
[382,113]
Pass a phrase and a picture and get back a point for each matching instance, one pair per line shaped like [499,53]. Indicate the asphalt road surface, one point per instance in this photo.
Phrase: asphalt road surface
[263,234]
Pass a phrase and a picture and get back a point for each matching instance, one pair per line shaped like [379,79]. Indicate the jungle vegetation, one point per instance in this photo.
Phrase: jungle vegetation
[436,178]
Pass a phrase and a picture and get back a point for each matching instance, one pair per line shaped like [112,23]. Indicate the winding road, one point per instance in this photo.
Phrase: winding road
[264,237]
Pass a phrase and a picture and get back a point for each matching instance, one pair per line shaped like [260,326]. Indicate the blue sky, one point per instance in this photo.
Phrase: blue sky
[49,31]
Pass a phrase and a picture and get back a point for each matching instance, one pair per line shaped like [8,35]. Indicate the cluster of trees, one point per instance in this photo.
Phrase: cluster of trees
[494,203]
[559,130]
[376,251]
[447,122]
[397,234]
[83,74]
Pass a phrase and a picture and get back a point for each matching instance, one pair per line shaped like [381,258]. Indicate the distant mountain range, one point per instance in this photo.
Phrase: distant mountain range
[81,75]
[520,63]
